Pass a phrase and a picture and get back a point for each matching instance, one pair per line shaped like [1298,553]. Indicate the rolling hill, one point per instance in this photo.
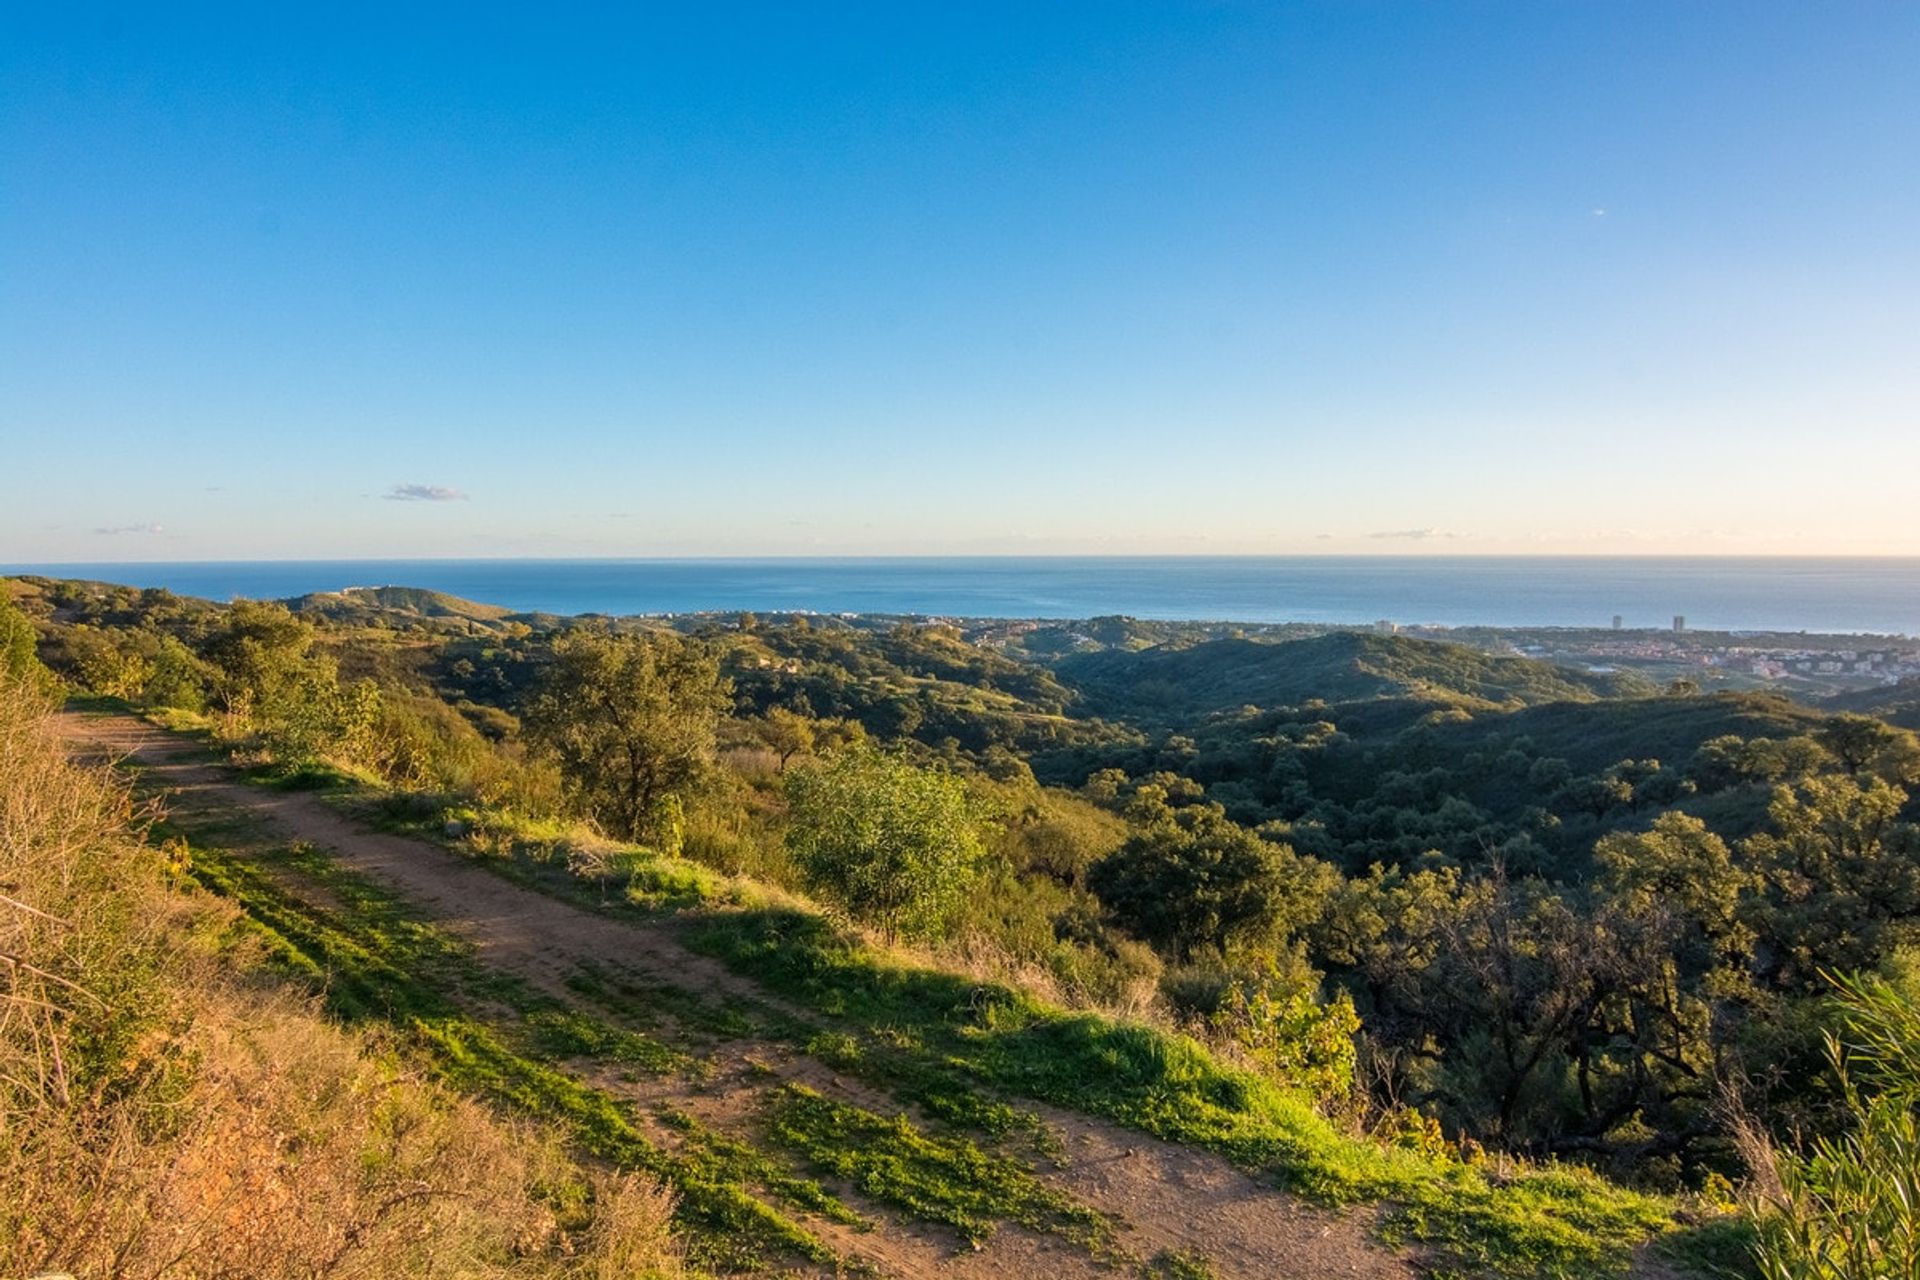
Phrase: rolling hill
[1177,682]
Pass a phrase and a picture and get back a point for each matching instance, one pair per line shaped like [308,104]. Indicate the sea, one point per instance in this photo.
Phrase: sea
[1878,595]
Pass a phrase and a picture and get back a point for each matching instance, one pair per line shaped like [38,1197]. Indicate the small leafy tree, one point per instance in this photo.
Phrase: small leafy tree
[631,721]
[179,679]
[1193,879]
[265,670]
[892,844]
[786,733]
[19,652]
[1305,1042]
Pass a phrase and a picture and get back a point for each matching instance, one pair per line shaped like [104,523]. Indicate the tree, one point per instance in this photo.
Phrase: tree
[19,655]
[262,660]
[1194,880]
[178,679]
[786,734]
[631,722]
[267,676]
[1678,867]
[1864,745]
[1595,796]
[890,843]
[1843,877]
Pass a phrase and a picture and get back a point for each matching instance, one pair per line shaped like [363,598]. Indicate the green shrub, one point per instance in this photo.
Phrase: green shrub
[1848,1206]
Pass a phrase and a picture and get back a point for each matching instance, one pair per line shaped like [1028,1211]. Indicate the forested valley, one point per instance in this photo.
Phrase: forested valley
[1474,908]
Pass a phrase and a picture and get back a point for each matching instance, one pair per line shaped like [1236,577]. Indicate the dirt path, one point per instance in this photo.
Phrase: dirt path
[1167,1198]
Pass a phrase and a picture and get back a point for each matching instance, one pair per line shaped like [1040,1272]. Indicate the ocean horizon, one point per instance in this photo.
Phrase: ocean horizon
[1830,594]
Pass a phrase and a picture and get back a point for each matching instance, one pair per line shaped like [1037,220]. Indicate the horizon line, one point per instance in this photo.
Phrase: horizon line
[15,568]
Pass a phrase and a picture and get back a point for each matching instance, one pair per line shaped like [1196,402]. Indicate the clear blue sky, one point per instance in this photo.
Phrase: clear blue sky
[912,278]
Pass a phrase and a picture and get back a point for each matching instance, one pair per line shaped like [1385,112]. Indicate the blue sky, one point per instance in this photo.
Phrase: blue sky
[807,279]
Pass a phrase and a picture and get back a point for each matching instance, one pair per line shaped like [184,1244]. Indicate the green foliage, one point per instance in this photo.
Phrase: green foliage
[630,719]
[1844,875]
[1219,674]
[1848,1206]
[1191,879]
[948,1180]
[1864,744]
[19,655]
[891,843]
[263,661]
[1305,1043]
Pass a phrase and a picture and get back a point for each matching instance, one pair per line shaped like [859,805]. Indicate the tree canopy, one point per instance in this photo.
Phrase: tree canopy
[631,720]
[891,843]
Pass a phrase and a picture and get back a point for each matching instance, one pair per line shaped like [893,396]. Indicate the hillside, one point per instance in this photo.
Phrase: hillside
[1174,682]
[363,605]
[1897,704]
[1347,914]
[174,1108]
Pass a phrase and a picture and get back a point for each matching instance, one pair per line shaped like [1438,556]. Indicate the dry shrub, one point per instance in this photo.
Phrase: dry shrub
[164,1118]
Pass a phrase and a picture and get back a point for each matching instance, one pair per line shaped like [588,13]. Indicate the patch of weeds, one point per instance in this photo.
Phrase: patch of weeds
[300,775]
[565,1033]
[942,1179]
[1720,1246]
[1180,1264]
[836,1049]
[658,883]
[736,1161]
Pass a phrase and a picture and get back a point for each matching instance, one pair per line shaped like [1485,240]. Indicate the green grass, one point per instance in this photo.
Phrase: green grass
[948,1180]
[742,1163]
[373,961]
[566,1033]
[1180,1264]
[1546,1221]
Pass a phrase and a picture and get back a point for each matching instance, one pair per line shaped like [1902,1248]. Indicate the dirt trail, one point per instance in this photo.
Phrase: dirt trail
[1166,1197]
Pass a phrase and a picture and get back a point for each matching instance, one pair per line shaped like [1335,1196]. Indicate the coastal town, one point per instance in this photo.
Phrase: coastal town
[1801,662]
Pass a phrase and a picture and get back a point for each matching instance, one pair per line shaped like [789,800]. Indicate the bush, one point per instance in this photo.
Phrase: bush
[892,844]
[1303,1042]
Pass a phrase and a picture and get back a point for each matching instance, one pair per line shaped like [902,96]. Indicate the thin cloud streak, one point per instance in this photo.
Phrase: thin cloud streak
[424,493]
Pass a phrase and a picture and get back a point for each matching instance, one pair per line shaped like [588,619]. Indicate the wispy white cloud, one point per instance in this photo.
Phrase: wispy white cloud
[424,493]
[115,530]
[1414,535]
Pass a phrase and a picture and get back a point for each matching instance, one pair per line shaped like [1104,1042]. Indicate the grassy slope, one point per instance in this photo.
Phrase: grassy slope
[962,1049]
[170,1113]
[748,1201]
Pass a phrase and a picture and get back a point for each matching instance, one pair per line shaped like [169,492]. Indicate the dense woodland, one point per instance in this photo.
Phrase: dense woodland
[1478,904]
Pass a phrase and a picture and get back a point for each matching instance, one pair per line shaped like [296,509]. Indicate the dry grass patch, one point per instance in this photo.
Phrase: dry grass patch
[167,1116]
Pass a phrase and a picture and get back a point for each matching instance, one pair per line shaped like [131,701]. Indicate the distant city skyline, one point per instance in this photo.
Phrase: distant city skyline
[894,280]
